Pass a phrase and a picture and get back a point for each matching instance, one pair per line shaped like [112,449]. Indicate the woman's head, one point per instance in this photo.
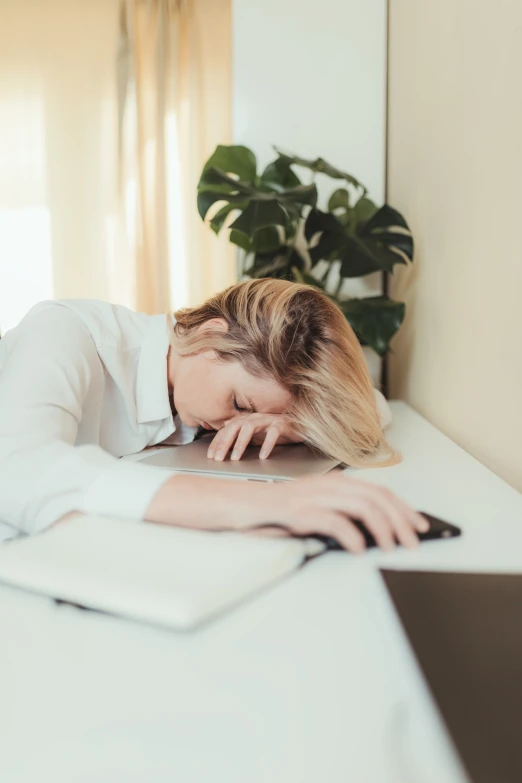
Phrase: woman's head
[287,348]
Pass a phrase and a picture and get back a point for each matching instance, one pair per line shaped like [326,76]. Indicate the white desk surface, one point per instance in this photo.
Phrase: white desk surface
[310,681]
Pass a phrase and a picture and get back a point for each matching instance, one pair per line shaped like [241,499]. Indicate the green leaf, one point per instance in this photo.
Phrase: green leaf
[266,239]
[279,263]
[385,230]
[218,181]
[212,177]
[360,254]
[259,214]
[209,197]
[279,174]
[226,188]
[322,166]
[364,210]
[233,159]
[296,261]
[337,243]
[260,207]
[268,265]
[385,217]
[216,224]
[399,240]
[358,259]
[375,319]
[294,214]
[347,219]
[383,255]
[322,221]
[328,248]
[241,240]
[301,194]
[339,198]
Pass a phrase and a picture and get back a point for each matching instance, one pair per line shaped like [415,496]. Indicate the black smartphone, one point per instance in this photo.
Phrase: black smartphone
[438,529]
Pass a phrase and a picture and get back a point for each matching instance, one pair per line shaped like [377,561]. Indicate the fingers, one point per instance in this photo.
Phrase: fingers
[240,434]
[381,519]
[223,441]
[272,436]
[237,432]
[417,520]
[385,516]
[266,429]
[368,511]
[243,439]
[335,525]
[404,521]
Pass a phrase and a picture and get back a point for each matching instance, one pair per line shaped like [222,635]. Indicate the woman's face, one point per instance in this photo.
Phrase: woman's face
[209,392]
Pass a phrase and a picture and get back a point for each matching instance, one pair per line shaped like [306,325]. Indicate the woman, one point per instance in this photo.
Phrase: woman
[84,382]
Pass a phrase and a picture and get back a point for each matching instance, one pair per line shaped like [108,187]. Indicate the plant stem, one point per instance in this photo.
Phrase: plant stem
[324,277]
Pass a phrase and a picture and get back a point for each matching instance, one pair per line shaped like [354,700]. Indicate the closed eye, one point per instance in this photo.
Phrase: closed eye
[236,406]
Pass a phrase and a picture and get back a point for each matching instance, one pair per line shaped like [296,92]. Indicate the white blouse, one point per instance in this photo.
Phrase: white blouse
[82,383]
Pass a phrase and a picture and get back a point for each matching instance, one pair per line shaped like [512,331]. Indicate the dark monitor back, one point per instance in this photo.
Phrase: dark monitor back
[466,631]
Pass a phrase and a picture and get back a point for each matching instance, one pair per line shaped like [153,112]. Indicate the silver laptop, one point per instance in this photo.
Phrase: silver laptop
[284,463]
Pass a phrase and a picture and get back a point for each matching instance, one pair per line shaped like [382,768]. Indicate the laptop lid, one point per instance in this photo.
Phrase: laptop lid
[284,463]
[466,631]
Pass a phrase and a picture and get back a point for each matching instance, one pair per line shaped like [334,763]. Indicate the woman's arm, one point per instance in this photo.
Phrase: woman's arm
[49,365]
[209,503]
[324,504]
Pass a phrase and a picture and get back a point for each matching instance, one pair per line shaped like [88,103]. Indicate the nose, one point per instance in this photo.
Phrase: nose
[222,424]
[215,426]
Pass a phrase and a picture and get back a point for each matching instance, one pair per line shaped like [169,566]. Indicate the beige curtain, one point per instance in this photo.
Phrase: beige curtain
[58,110]
[174,71]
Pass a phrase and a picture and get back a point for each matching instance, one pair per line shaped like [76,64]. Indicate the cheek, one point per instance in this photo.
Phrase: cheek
[213,406]
[199,392]
[188,385]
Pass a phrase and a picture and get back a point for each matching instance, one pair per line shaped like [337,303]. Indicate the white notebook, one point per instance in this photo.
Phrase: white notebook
[157,574]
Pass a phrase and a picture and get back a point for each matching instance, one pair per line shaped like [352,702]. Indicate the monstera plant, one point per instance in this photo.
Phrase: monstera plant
[274,218]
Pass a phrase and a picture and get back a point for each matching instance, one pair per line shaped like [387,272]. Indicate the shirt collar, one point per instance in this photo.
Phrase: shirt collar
[152,389]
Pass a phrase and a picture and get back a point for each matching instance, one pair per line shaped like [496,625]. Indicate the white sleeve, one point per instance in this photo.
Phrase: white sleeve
[49,366]
[383,409]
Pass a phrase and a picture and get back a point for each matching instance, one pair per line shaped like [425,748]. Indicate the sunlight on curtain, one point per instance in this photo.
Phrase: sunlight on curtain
[25,262]
[175,107]
[176,219]
[25,231]
[58,205]
[204,119]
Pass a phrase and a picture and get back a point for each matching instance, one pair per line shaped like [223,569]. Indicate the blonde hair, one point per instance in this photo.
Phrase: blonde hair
[298,336]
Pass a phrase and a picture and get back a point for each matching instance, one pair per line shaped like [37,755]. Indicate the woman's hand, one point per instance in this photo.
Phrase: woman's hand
[265,429]
[328,504]
[317,504]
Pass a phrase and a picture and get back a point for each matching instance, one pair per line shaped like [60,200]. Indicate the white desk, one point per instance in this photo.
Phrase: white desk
[311,681]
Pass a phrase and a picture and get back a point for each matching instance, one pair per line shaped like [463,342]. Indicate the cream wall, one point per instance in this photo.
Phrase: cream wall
[455,170]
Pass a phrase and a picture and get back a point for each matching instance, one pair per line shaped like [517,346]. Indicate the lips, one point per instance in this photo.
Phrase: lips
[206,425]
